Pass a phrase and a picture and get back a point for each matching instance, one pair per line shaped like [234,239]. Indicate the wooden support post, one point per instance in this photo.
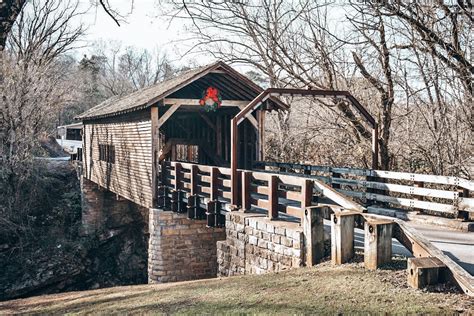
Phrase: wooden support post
[193,180]
[214,187]
[342,237]
[306,194]
[177,176]
[246,183]
[273,197]
[261,135]
[155,148]
[211,214]
[174,201]
[307,170]
[313,230]
[418,184]
[463,215]
[425,271]
[192,205]
[377,243]
[233,163]
[166,201]
[219,136]
[335,185]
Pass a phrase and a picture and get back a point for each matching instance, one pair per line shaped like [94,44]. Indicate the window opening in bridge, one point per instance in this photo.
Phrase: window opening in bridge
[107,153]
[187,153]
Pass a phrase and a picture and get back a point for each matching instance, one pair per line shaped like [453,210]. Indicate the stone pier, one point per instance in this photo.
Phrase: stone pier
[104,211]
[180,248]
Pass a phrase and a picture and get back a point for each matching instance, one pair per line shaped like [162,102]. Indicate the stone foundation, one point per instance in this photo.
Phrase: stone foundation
[256,245]
[181,249]
[104,211]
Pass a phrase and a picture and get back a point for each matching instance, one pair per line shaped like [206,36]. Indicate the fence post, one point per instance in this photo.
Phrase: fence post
[335,175]
[193,180]
[377,243]
[342,237]
[211,213]
[464,193]
[273,197]
[214,176]
[306,194]
[246,182]
[177,177]
[313,231]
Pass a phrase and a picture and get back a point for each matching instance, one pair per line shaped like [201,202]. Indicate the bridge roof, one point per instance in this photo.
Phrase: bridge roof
[146,97]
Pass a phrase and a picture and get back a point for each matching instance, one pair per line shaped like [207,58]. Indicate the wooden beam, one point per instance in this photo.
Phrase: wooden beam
[219,136]
[251,118]
[155,147]
[233,163]
[338,197]
[208,121]
[421,247]
[261,135]
[225,103]
[168,114]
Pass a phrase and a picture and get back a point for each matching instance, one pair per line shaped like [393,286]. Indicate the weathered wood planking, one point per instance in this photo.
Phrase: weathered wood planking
[131,174]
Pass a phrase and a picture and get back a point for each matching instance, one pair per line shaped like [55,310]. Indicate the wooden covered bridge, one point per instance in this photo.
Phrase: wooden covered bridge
[190,151]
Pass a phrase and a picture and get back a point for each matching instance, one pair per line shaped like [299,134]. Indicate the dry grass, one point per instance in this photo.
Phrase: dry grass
[321,289]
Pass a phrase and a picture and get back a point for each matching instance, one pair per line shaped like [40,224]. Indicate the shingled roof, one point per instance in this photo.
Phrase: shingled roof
[148,96]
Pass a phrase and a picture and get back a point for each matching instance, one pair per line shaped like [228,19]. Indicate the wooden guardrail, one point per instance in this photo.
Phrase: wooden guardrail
[438,194]
[269,192]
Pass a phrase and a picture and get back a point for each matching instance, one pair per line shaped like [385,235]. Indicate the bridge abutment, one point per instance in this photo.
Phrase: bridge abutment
[255,245]
[180,248]
[103,210]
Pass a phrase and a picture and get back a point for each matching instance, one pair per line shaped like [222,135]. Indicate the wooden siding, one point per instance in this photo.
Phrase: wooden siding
[131,174]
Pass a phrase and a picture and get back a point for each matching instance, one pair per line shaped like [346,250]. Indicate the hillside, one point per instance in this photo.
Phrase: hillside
[321,289]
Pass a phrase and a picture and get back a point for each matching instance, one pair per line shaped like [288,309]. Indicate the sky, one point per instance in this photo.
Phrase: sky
[142,27]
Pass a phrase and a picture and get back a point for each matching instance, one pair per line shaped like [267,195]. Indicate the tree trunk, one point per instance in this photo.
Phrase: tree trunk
[9,10]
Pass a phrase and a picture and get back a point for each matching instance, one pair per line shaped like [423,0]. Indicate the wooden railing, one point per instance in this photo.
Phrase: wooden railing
[409,191]
[205,192]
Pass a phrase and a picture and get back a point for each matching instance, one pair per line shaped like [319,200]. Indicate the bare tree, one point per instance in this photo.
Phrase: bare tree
[32,69]
[39,39]
[289,42]
[294,44]
[370,25]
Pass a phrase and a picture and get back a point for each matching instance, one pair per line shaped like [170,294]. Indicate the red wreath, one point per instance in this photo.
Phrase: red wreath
[211,99]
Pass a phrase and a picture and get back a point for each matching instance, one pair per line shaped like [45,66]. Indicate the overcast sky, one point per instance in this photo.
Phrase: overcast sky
[142,27]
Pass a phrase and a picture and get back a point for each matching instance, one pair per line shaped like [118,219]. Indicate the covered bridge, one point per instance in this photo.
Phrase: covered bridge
[186,118]
[190,145]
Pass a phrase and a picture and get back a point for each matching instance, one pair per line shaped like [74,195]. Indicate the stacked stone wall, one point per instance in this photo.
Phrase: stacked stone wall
[104,211]
[181,249]
[255,245]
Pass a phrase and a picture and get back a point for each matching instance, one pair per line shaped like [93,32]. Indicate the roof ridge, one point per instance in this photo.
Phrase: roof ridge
[147,96]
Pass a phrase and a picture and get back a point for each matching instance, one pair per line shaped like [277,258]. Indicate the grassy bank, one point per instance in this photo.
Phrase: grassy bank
[322,289]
